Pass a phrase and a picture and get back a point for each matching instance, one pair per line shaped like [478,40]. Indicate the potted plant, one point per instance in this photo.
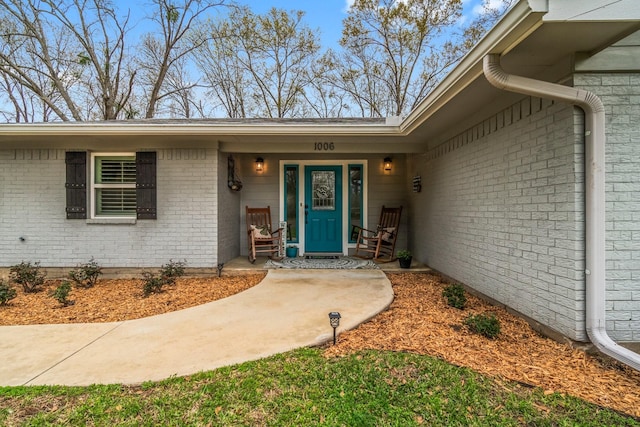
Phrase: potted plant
[404,258]
[292,251]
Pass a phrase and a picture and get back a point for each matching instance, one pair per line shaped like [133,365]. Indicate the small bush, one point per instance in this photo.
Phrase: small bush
[455,296]
[61,293]
[27,275]
[152,283]
[483,324]
[172,270]
[86,275]
[167,276]
[7,293]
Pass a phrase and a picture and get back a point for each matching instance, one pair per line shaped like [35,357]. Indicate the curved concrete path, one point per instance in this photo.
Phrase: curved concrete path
[288,309]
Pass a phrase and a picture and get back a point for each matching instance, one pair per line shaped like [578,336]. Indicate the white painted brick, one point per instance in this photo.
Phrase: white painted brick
[34,207]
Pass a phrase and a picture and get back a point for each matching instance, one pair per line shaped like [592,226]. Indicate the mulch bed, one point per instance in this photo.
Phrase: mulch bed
[113,300]
[418,321]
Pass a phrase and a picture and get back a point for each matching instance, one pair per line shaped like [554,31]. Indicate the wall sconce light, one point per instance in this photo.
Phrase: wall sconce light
[387,164]
[259,164]
[334,321]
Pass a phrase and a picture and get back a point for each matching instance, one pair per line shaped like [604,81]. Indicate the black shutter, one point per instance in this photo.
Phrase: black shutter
[146,185]
[76,184]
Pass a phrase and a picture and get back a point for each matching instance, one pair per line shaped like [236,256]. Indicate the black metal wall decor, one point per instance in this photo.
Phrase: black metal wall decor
[417,184]
[232,179]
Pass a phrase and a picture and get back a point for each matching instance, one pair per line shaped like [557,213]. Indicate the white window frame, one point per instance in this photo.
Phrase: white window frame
[95,187]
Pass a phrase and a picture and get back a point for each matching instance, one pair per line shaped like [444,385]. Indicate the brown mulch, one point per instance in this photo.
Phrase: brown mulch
[113,300]
[418,321]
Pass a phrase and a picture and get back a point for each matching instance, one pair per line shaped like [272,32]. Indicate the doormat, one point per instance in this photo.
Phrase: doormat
[341,263]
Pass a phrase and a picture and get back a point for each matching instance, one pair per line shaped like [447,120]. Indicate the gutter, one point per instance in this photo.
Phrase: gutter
[594,194]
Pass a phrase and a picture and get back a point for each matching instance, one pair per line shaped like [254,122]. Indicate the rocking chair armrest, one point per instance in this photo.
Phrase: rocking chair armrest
[361,232]
[278,231]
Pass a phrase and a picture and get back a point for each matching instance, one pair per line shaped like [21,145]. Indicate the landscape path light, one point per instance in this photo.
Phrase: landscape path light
[334,320]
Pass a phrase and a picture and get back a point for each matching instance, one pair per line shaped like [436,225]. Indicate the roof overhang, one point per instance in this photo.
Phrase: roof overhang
[536,38]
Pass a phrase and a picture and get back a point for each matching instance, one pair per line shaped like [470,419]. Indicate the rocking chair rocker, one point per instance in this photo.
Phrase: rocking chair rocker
[380,244]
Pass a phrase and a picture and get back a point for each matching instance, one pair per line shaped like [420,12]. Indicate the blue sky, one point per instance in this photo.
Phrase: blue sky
[324,15]
[327,15]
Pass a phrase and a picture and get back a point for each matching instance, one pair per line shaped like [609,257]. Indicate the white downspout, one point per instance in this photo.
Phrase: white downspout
[594,195]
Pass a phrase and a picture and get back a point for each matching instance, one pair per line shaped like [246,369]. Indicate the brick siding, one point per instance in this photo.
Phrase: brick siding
[32,206]
[621,95]
[501,210]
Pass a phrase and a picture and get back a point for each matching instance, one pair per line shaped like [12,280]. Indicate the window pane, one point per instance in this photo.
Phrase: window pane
[116,201]
[115,170]
[291,202]
[355,196]
[323,187]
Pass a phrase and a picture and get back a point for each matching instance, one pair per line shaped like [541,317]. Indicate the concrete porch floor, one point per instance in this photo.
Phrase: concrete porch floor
[241,265]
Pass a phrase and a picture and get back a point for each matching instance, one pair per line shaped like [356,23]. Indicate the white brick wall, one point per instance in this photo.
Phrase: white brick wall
[621,95]
[501,210]
[32,205]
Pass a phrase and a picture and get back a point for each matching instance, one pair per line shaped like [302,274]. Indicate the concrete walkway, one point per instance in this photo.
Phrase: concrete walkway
[288,309]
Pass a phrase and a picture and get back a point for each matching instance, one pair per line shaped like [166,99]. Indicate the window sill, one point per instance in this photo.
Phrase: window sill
[121,221]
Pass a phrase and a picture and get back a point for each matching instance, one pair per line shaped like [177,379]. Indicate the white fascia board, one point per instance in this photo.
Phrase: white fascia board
[191,129]
[520,21]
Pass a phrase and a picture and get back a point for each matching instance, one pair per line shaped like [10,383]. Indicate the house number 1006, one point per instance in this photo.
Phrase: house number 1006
[323,146]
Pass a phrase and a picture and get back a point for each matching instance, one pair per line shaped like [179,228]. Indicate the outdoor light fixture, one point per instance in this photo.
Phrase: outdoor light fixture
[334,320]
[220,267]
[387,164]
[259,164]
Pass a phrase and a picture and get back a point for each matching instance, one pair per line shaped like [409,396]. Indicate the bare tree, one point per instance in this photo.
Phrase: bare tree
[274,52]
[323,99]
[72,46]
[393,54]
[486,16]
[159,54]
[224,74]
[35,54]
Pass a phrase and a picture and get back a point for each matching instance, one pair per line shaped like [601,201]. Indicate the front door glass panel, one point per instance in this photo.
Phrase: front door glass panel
[323,184]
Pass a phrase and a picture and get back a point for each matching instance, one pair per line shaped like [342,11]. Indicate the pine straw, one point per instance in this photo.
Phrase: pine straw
[420,321]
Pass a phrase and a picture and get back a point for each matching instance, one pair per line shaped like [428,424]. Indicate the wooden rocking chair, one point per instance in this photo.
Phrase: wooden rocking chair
[261,237]
[380,244]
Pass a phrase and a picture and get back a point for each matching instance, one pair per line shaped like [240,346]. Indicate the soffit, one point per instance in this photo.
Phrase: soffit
[546,54]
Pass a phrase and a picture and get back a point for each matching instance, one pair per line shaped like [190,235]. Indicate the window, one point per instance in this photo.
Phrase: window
[114,185]
[291,202]
[355,197]
[120,185]
[323,190]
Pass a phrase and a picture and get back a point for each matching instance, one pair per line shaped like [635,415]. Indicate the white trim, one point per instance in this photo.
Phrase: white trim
[93,186]
[345,195]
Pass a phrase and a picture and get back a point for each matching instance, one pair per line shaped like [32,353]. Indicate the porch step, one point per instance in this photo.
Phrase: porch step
[309,255]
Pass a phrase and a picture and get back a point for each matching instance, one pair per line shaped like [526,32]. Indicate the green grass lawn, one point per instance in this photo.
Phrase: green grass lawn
[302,388]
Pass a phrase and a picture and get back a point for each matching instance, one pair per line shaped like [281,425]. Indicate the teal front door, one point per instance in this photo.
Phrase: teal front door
[323,209]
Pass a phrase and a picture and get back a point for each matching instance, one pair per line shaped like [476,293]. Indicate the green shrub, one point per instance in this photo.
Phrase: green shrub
[455,296]
[168,274]
[7,293]
[86,275]
[172,270]
[61,293]
[27,275]
[483,324]
[152,283]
